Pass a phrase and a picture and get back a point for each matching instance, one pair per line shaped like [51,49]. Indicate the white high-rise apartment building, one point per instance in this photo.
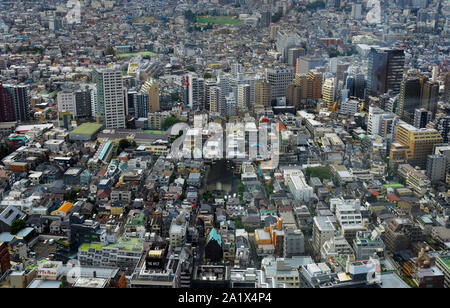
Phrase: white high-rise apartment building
[111,105]
[67,102]
[243,97]
[329,92]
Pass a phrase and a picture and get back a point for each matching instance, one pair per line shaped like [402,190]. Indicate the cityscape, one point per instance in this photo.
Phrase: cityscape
[224,144]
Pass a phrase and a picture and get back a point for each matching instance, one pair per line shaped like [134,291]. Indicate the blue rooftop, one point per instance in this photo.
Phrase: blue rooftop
[216,236]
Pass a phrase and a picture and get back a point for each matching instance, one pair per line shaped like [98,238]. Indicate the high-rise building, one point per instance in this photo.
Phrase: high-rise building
[294,54]
[294,243]
[94,102]
[7,113]
[430,96]
[263,94]
[214,99]
[409,99]
[209,83]
[413,144]
[21,100]
[329,92]
[243,97]
[323,230]
[356,11]
[266,18]
[314,85]
[307,64]
[279,80]
[231,105]
[195,92]
[443,127]
[83,103]
[385,71]
[66,102]
[447,88]
[294,95]
[284,41]
[151,87]
[436,167]
[111,101]
[141,104]
[301,80]
[422,117]
[380,123]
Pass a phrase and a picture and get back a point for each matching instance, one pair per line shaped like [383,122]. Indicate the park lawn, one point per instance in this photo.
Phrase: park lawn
[144,53]
[219,20]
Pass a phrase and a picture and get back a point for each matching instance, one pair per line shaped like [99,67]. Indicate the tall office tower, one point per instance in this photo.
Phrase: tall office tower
[356,11]
[443,127]
[314,85]
[263,94]
[194,92]
[279,80]
[236,69]
[129,102]
[422,117]
[231,105]
[209,83]
[7,113]
[447,88]
[436,167]
[385,71]
[294,95]
[214,99]
[151,87]
[301,80]
[21,100]
[111,101]
[409,99]
[360,85]
[243,97]
[341,69]
[225,83]
[329,92]
[94,102]
[306,64]
[414,144]
[266,18]
[430,96]
[83,103]
[274,31]
[294,54]
[284,41]
[141,104]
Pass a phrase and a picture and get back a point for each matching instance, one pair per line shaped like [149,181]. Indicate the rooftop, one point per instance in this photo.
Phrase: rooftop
[87,129]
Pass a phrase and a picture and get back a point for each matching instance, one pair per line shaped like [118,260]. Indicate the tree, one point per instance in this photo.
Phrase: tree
[72,195]
[17,226]
[319,172]
[175,97]
[124,144]
[277,17]
[110,51]
[169,122]
[4,151]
